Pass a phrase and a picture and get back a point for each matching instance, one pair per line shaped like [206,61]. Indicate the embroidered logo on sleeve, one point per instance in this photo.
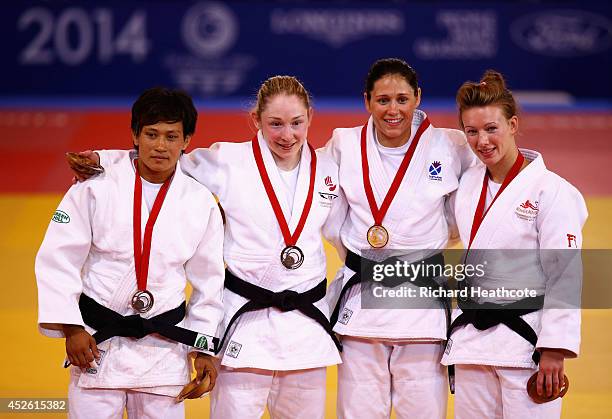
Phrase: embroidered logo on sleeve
[434,171]
[233,349]
[98,363]
[571,239]
[61,217]
[345,316]
[204,342]
[527,211]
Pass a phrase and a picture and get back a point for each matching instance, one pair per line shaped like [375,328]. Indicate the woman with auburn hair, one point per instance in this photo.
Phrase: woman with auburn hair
[512,201]
[278,195]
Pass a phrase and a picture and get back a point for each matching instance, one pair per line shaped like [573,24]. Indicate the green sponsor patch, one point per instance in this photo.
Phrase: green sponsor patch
[201,342]
[61,217]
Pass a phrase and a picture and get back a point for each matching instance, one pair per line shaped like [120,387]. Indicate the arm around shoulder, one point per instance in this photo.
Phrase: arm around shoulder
[206,273]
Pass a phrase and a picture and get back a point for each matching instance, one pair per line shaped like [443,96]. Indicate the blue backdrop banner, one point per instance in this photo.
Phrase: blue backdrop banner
[225,49]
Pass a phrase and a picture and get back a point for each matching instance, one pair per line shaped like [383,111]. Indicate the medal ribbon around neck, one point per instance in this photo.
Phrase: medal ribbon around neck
[379,213]
[290,239]
[141,260]
[480,212]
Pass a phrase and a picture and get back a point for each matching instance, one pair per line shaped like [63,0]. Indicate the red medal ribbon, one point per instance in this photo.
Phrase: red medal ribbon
[290,239]
[379,214]
[480,212]
[141,260]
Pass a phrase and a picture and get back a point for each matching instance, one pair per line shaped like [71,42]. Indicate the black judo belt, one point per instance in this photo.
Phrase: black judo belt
[361,265]
[288,300]
[487,315]
[109,323]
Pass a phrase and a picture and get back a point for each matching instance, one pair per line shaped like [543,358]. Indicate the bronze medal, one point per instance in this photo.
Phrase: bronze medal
[533,392]
[142,301]
[292,257]
[378,236]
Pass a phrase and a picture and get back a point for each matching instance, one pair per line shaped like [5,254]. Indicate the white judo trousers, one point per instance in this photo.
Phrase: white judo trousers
[539,212]
[375,375]
[106,403]
[408,371]
[485,391]
[245,392]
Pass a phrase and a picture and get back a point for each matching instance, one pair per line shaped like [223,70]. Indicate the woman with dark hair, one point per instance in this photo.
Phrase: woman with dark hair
[512,201]
[396,172]
[113,269]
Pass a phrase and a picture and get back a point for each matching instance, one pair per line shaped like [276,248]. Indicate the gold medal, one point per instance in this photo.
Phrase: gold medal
[142,301]
[378,236]
[292,257]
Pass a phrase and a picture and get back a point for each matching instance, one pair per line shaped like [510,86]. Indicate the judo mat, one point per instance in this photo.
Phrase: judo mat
[577,145]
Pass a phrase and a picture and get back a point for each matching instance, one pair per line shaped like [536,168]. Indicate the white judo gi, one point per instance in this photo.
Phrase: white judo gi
[88,248]
[538,210]
[270,355]
[380,364]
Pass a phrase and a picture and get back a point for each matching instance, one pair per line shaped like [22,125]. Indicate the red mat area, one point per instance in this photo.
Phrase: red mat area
[578,146]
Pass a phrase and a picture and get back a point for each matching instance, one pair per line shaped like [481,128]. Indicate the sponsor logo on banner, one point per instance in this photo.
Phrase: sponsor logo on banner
[470,34]
[233,349]
[337,27]
[60,217]
[563,33]
[209,31]
[434,171]
[528,210]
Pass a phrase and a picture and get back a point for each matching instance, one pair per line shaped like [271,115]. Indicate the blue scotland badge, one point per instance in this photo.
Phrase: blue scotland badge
[435,169]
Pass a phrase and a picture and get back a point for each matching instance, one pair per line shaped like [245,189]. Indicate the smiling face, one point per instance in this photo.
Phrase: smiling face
[491,135]
[284,123]
[159,148]
[392,104]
